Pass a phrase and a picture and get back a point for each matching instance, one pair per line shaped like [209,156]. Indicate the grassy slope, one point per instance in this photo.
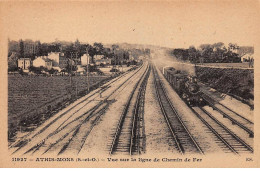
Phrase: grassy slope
[235,81]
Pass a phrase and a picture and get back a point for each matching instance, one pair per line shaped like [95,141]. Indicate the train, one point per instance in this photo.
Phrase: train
[185,85]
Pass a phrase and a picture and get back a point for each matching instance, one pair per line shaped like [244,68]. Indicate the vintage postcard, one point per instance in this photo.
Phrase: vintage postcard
[129,84]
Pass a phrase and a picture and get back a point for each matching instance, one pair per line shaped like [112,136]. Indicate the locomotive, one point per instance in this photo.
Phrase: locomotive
[185,85]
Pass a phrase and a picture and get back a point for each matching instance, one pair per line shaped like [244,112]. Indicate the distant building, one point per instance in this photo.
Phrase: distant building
[43,61]
[24,63]
[48,64]
[81,70]
[103,61]
[63,61]
[85,59]
[247,57]
[31,47]
[55,57]
[98,57]
[58,59]
[245,50]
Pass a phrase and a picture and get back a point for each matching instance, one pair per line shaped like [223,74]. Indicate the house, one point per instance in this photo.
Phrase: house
[58,59]
[48,64]
[31,47]
[98,57]
[247,57]
[42,61]
[55,57]
[81,70]
[85,59]
[103,61]
[24,64]
[63,61]
[245,50]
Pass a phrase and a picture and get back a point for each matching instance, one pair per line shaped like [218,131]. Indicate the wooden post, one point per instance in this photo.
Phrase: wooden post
[88,72]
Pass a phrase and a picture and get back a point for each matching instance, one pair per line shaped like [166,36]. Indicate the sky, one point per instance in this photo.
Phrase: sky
[175,24]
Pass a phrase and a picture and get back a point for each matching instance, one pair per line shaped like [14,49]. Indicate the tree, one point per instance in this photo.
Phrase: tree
[54,47]
[99,48]
[115,47]
[119,56]
[192,54]
[126,55]
[232,46]
[21,46]
[206,52]
[181,54]
[83,49]
[108,53]
[52,71]
[92,52]
[218,45]
[43,49]
[70,67]
[77,45]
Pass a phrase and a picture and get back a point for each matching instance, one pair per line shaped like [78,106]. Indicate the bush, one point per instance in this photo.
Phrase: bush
[100,72]
[93,68]
[114,70]
[53,71]
[12,68]
[133,62]
[36,70]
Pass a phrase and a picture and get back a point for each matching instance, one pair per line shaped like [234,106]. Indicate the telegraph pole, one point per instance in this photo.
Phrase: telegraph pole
[87,70]
[71,70]
[76,75]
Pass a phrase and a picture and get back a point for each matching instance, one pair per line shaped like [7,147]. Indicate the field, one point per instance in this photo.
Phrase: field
[29,94]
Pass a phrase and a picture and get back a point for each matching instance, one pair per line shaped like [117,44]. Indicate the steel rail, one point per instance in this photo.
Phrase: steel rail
[229,131]
[179,146]
[136,117]
[24,141]
[215,132]
[122,118]
[226,108]
[234,121]
[37,146]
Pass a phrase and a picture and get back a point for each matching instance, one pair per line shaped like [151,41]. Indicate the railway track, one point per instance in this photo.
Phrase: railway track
[183,140]
[129,134]
[69,130]
[232,143]
[233,116]
[229,141]
[22,141]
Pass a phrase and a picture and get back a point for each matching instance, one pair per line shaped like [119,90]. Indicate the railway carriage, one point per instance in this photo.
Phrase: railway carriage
[185,85]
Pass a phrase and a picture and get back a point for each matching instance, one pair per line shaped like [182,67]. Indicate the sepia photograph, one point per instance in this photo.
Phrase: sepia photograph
[129,84]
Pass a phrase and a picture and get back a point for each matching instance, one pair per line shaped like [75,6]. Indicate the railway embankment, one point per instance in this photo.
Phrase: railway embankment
[238,83]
